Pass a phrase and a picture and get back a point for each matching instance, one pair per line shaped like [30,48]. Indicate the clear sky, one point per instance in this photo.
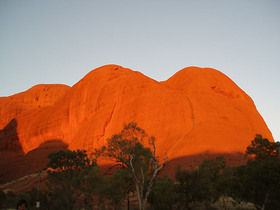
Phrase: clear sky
[60,41]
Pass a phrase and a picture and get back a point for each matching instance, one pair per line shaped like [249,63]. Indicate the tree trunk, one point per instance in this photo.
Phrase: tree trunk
[265,201]
[128,204]
[144,205]
[139,197]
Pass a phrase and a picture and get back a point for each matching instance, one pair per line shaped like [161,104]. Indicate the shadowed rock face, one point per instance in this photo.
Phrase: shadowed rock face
[198,110]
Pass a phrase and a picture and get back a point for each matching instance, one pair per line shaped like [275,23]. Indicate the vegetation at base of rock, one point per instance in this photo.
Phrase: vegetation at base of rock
[258,181]
[140,162]
[164,194]
[68,174]
[76,182]
[262,149]
[199,185]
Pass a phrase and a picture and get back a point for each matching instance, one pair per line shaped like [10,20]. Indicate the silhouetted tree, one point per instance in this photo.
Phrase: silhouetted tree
[225,184]
[258,181]
[200,185]
[192,187]
[163,195]
[92,186]
[117,188]
[262,149]
[67,171]
[126,149]
[211,170]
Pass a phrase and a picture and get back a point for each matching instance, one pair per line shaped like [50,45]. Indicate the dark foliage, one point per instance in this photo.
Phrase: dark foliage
[163,195]
[67,171]
[200,185]
[258,181]
[262,149]
[75,181]
[135,151]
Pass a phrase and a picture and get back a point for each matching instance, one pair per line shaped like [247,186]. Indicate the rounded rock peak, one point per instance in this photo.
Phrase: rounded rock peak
[200,76]
[206,79]
[107,73]
[45,94]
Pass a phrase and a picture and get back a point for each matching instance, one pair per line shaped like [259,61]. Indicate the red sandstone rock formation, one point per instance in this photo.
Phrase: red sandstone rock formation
[196,111]
[36,97]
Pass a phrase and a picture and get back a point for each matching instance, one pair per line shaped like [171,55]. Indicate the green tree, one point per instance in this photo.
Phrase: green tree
[67,171]
[211,170]
[126,149]
[191,186]
[258,181]
[225,184]
[263,149]
[212,167]
[200,185]
[92,186]
[163,195]
[117,188]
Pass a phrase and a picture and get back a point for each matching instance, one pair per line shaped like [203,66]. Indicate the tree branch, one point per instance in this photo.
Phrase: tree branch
[143,177]
[119,164]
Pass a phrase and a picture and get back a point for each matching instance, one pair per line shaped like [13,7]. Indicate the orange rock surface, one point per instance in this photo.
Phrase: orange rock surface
[196,111]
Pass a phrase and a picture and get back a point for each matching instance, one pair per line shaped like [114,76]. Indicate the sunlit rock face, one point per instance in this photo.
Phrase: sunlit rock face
[196,111]
[224,117]
[18,111]
[36,97]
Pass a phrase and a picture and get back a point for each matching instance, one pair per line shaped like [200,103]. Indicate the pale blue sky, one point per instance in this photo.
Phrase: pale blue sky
[60,41]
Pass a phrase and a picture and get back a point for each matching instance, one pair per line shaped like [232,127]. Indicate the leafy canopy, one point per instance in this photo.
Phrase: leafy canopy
[258,181]
[65,161]
[132,150]
[262,149]
[67,172]
[129,146]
